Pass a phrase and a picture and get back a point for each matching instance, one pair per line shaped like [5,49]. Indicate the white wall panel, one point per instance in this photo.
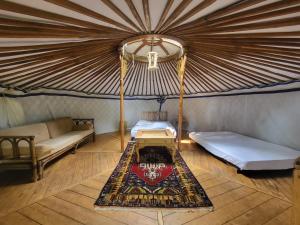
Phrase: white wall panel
[105,112]
[271,117]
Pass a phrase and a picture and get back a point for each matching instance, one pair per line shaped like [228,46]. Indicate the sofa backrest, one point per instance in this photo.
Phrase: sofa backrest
[39,130]
[59,126]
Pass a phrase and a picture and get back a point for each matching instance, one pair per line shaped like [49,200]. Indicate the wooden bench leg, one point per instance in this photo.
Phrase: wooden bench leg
[94,137]
[41,170]
[75,148]
[34,173]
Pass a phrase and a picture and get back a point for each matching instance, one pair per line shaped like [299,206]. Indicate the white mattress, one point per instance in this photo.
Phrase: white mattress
[152,125]
[245,152]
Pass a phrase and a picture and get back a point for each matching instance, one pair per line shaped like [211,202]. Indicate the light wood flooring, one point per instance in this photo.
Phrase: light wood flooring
[67,193]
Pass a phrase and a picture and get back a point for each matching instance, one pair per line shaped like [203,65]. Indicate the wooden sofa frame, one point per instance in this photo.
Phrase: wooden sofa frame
[37,166]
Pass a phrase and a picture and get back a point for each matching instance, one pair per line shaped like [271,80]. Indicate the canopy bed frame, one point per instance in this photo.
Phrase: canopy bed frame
[126,56]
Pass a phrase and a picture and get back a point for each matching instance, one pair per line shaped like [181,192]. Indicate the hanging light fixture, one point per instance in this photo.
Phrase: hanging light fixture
[152,58]
[151,49]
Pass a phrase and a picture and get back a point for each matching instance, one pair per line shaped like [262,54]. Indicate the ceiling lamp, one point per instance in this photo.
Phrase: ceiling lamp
[152,60]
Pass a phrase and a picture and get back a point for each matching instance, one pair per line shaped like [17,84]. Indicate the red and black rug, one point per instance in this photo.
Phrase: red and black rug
[155,182]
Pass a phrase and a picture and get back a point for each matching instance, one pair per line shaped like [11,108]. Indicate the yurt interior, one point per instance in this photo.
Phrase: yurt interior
[155,112]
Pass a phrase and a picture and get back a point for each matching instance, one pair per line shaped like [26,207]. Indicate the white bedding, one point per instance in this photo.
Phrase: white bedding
[152,125]
[245,152]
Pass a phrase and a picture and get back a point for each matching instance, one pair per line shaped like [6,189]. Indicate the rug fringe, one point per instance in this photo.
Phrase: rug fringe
[119,208]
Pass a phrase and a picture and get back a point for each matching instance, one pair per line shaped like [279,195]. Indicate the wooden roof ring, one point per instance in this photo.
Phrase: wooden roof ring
[152,40]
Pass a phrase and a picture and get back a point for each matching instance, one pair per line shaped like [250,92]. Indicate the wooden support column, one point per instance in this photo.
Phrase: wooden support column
[296,194]
[122,75]
[181,69]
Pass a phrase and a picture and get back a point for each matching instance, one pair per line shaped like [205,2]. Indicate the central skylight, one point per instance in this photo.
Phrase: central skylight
[146,48]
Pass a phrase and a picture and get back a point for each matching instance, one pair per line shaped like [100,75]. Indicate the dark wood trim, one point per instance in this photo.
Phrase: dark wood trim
[147,15]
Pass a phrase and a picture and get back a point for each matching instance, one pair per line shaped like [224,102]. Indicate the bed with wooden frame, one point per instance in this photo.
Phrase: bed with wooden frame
[153,121]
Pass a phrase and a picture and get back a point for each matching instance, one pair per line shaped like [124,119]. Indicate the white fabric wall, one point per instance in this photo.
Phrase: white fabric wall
[105,112]
[271,117]
[11,112]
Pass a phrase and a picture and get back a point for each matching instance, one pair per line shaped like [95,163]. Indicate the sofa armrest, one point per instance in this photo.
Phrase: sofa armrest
[83,124]
[14,142]
[16,153]
[297,164]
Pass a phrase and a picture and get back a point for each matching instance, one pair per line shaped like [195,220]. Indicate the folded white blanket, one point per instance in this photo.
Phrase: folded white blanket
[152,125]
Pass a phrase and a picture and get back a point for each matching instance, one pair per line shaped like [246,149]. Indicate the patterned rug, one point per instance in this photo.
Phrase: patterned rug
[155,182]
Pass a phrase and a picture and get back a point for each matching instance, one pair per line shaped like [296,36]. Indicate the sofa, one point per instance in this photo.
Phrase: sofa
[33,146]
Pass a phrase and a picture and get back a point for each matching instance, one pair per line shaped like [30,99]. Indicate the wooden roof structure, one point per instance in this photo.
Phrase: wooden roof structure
[66,45]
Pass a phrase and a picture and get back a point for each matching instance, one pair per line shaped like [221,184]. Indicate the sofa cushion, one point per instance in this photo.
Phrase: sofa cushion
[83,133]
[39,130]
[59,126]
[68,139]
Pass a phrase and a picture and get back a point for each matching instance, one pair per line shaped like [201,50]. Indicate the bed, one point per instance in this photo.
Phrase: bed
[152,125]
[246,153]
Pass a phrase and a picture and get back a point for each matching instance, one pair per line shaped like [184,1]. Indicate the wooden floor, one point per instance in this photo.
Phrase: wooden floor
[67,193]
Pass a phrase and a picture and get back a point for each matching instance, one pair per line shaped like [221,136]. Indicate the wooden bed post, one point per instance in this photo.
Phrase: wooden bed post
[296,194]
[122,75]
[181,69]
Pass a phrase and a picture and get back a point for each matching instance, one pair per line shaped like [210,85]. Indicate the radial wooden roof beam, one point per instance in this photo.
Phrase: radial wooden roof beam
[147,15]
[270,10]
[164,15]
[231,9]
[139,48]
[76,73]
[114,8]
[62,77]
[234,48]
[201,6]
[136,14]
[23,9]
[284,22]
[164,49]
[54,46]
[80,9]
[175,13]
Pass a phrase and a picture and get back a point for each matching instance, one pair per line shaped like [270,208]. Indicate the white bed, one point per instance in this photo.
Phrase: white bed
[245,152]
[152,125]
